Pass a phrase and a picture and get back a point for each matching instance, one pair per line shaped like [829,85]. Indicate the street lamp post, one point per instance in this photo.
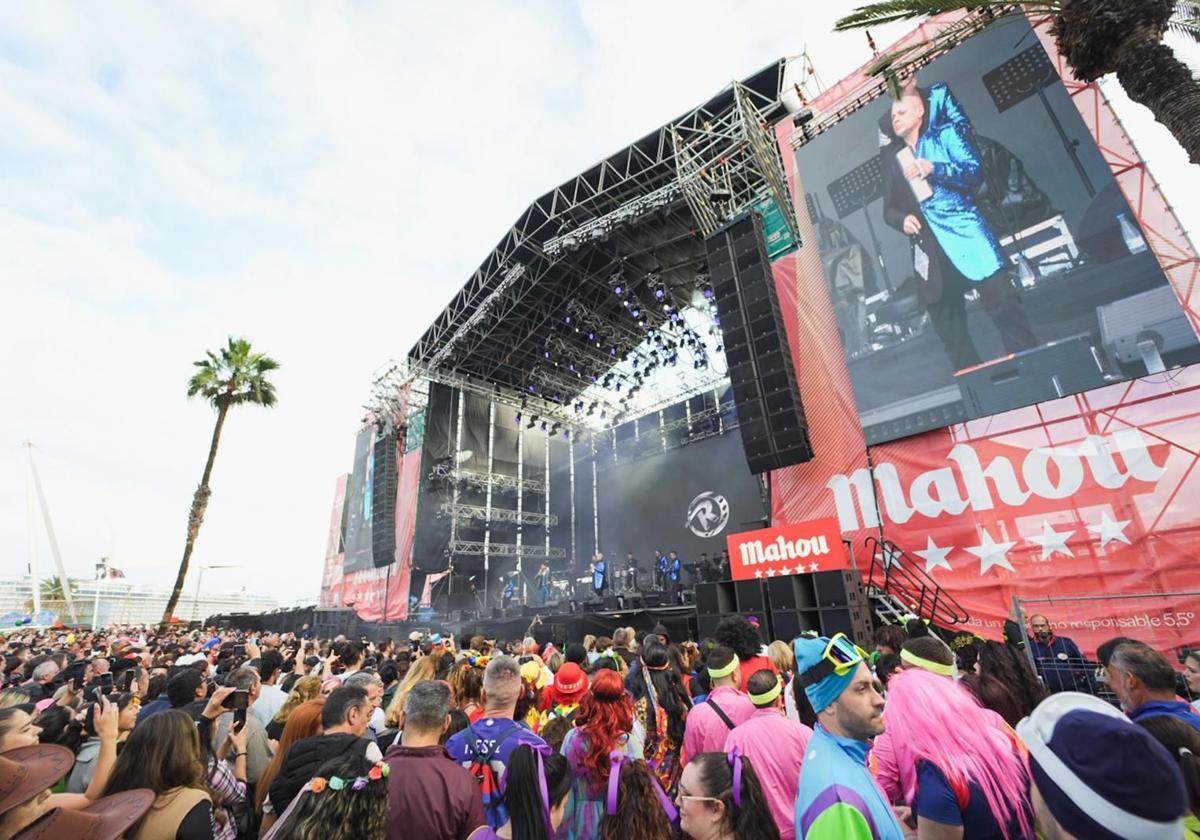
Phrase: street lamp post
[200,577]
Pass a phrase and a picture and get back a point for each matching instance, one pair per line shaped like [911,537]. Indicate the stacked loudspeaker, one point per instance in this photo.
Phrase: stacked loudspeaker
[823,602]
[384,486]
[774,431]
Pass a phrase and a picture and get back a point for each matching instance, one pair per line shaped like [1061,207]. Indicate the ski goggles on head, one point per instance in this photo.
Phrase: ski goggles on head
[841,657]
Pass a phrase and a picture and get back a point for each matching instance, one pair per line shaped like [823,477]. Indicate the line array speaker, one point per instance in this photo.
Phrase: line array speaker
[770,413]
[384,486]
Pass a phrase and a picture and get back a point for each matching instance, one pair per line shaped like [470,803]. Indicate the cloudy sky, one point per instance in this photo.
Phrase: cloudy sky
[318,177]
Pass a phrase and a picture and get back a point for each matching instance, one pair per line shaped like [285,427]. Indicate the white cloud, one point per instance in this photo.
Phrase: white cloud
[318,178]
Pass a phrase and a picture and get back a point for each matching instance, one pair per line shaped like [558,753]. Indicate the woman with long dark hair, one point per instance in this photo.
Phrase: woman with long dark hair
[721,799]
[661,705]
[348,797]
[603,723]
[530,816]
[1004,682]
[635,807]
[163,755]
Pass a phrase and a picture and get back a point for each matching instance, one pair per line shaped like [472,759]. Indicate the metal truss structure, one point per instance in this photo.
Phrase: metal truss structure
[631,217]
[481,513]
[496,481]
[471,548]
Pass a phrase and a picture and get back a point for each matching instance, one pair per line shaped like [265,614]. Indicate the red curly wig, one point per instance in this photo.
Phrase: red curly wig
[605,715]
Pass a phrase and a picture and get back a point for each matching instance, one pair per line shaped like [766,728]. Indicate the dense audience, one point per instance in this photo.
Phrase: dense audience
[187,734]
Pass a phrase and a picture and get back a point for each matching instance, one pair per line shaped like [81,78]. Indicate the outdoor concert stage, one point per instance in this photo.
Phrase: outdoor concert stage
[731,325]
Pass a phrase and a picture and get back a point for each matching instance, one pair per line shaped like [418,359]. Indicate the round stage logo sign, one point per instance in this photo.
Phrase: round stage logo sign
[708,514]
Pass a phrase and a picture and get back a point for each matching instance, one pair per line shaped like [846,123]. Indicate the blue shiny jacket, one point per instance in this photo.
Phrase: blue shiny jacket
[947,141]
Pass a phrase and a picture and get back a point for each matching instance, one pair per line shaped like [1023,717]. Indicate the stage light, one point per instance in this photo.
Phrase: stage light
[666,307]
[531,423]
[708,292]
[636,313]
[567,434]
[635,362]
[518,418]
[618,290]
[613,351]
[659,294]
[595,378]
[546,353]
[717,320]
[567,320]
[674,316]
[542,428]
[720,349]
[533,389]
[571,367]
[591,336]
[628,303]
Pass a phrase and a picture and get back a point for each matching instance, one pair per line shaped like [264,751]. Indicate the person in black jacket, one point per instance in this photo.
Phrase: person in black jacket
[344,717]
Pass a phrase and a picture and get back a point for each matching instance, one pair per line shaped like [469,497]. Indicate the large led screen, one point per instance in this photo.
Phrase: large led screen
[358,504]
[978,253]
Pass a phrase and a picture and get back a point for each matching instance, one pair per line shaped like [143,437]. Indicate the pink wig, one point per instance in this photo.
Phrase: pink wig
[933,718]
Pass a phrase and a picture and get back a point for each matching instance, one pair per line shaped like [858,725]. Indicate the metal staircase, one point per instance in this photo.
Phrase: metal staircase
[900,588]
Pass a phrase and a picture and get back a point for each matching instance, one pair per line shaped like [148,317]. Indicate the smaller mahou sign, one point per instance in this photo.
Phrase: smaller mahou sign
[794,549]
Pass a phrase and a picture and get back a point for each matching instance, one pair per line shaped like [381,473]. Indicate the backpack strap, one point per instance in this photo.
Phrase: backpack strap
[720,713]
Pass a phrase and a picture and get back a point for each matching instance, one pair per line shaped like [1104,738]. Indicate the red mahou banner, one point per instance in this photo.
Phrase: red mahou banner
[802,548]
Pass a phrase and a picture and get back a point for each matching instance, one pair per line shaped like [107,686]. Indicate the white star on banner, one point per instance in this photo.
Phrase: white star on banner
[1109,530]
[934,556]
[771,572]
[1053,541]
[891,558]
[758,573]
[814,566]
[991,553]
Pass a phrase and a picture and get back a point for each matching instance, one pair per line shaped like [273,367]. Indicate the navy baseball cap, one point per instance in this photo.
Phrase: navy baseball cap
[1101,775]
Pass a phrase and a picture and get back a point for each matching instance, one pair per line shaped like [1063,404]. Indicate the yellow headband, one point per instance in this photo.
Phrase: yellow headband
[928,665]
[768,696]
[717,673]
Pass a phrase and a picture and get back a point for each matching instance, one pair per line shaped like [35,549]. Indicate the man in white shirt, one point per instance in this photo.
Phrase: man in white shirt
[271,698]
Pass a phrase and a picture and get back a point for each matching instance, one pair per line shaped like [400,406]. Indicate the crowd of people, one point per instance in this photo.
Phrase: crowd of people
[225,735]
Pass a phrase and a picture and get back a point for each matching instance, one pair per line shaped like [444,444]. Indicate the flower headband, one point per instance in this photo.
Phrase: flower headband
[380,771]
[617,760]
[479,660]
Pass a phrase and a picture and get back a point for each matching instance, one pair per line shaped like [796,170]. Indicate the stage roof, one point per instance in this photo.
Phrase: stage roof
[630,220]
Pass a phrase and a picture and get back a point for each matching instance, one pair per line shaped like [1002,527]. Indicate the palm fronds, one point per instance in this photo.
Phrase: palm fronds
[1186,20]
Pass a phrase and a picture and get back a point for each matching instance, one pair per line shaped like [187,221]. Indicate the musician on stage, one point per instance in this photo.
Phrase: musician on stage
[599,574]
[510,590]
[674,570]
[630,571]
[542,583]
[660,570]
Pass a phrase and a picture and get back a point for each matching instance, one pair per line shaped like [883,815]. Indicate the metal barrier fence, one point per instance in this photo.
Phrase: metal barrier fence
[1063,666]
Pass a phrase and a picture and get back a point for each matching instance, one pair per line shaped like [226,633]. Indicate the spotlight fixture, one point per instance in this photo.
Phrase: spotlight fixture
[659,293]
[708,292]
[543,426]
[518,418]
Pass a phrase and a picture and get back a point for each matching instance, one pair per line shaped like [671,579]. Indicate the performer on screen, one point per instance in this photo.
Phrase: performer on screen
[599,574]
[931,170]
[660,570]
[674,570]
[542,583]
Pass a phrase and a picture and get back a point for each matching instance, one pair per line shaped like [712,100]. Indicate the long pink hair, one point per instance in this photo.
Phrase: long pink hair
[933,718]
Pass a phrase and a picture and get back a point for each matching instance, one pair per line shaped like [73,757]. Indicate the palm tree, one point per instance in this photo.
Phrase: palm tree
[52,596]
[235,376]
[1095,37]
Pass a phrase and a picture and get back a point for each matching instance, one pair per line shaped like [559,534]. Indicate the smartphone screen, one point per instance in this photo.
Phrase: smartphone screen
[237,700]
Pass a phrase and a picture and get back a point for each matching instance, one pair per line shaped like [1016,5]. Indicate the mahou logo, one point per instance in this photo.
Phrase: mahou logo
[781,549]
[800,548]
[1048,473]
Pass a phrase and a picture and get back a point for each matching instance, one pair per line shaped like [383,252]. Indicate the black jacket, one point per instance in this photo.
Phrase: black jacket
[302,761]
